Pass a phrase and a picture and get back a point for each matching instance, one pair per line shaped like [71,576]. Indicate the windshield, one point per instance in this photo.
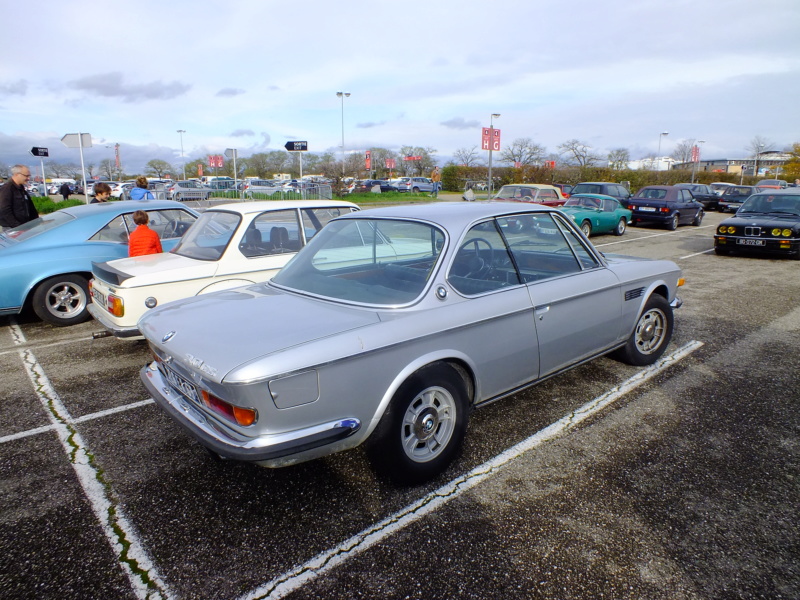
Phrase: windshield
[369,261]
[209,236]
[587,188]
[584,201]
[37,226]
[771,203]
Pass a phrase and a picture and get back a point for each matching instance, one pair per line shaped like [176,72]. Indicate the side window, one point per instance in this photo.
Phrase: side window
[609,205]
[168,224]
[115,231]
[587,260]
[547,195]
[315,219]
[273,232]
[482,263]
[540,246]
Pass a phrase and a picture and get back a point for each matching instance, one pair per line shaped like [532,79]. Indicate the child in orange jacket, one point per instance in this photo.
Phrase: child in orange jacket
[143,240]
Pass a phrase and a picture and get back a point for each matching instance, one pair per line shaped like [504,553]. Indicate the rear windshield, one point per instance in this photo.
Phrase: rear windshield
[37,226]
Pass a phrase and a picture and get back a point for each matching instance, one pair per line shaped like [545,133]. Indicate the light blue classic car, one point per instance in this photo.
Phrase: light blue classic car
[392,324]
[597,213]
[47,263]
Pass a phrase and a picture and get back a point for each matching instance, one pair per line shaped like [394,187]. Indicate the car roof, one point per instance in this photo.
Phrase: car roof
[538,186]
[120,207]
[245,208]
[781,192]
[454,214]
[593,195]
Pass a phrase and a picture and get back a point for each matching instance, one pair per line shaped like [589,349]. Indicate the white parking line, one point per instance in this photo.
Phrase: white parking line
[653,235]
[322,563]
[131,554]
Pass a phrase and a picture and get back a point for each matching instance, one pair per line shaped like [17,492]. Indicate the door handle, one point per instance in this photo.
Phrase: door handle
[542,311]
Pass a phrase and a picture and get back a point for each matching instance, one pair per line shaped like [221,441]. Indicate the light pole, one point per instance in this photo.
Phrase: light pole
[491,141]
[183,160]
[758,152]
[694,162]
[658,158]
[343,95]
[112,172]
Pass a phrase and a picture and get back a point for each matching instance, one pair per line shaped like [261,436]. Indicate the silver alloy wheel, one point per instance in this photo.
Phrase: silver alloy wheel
[650,331]
[428,424]
[65,300]
[586,228]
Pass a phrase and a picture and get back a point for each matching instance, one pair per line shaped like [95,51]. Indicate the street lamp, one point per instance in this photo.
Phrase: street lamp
[181,132]
[658,158]
[492,117]
[694,162]
[343,95]
[758,152]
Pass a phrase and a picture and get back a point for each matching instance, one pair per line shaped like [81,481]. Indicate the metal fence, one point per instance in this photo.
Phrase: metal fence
[313,192]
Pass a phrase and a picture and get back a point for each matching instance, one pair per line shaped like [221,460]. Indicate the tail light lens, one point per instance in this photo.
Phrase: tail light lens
[115,305]
[235,414]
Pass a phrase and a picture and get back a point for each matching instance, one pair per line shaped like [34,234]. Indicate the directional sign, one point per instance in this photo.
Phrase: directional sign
[77,140]
[40,151]
[231,153]
[296,146]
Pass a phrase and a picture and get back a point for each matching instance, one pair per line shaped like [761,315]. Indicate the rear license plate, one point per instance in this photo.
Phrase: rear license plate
[647,209]
[98,298]
[184,387]
[750,242]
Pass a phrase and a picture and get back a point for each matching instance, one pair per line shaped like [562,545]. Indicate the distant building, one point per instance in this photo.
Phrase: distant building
[771,161]
[652,163]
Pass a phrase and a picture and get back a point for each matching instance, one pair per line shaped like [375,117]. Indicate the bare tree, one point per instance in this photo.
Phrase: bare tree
[758,145]
[578,153]
[683,151]
[619,158]
[524,151]
[107,168]
[467,157]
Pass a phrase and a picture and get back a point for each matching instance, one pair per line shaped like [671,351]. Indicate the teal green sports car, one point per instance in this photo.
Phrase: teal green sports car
[597,213]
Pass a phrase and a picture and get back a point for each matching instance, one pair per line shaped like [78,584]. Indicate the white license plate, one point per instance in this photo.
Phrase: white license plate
[647,209]
[184,387]
[98,298]
[750,242]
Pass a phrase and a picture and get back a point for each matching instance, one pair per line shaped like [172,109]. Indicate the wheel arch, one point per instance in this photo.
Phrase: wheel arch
[458,362]
[28,302]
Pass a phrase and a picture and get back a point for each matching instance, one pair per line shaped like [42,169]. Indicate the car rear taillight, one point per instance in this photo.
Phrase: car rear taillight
[235,414]
[115,305]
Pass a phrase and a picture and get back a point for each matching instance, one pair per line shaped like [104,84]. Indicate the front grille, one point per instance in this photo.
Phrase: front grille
[754,231]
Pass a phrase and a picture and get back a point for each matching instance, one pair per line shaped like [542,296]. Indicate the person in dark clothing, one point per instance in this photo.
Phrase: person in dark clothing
[65,190]
[16,206]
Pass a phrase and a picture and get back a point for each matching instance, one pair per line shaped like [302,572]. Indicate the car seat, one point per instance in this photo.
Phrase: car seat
[279,239]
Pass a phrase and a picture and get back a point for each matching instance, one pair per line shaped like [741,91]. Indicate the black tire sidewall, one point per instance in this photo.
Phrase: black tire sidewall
[39,303]
[385,448]
[630,353]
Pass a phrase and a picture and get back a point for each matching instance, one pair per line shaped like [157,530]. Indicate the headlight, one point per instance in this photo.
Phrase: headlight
[786,233]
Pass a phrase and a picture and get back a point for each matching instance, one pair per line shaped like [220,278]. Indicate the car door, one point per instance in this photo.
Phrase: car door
[576,299]
[685,204]
[607,216]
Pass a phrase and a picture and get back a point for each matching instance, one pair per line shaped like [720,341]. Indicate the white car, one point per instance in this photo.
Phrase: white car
[121,190]
[228,246]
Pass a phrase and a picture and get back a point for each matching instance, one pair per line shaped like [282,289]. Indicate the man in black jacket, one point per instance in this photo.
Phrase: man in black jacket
[16,206]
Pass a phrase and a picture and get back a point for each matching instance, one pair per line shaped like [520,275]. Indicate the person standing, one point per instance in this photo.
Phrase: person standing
[16,206]
[143,240]
[102,191]
[65,190]
[436,177]
[140,191]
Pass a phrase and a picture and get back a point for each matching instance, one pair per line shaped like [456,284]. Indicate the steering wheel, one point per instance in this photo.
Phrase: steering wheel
[477,266]
[173,229]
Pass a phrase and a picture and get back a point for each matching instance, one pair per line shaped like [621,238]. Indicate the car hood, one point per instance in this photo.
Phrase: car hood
[224,334]
[762,220]
[152,269]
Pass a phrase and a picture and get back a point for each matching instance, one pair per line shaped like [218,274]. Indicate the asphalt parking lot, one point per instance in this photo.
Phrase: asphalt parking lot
[679,481]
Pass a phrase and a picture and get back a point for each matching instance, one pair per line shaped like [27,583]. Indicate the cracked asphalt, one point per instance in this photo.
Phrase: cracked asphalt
[685,487]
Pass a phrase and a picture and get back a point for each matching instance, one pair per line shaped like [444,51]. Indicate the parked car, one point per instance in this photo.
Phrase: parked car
[720,186]
[773,183]
[538,193]
[121,190]
[254,187]
[367,185]
[767,223]
[230,245]
[665,205]
[415,184]
[566,189]
[188,190]
[46,263]
[596,213]
[615,190]
[734,196]
[703,194]
[221,184]
[392,324]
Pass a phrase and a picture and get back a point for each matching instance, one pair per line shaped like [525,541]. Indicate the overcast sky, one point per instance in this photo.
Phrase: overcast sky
[254,74]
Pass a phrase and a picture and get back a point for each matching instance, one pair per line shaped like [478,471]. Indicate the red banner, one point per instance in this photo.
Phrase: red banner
[368,160]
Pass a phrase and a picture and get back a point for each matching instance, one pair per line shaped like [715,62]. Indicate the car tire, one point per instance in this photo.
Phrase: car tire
[586,228]
[698,218]
[177,197]
[62,300]
[424,427]
[415,190]
[651,335]
[673,222]
[621,226]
